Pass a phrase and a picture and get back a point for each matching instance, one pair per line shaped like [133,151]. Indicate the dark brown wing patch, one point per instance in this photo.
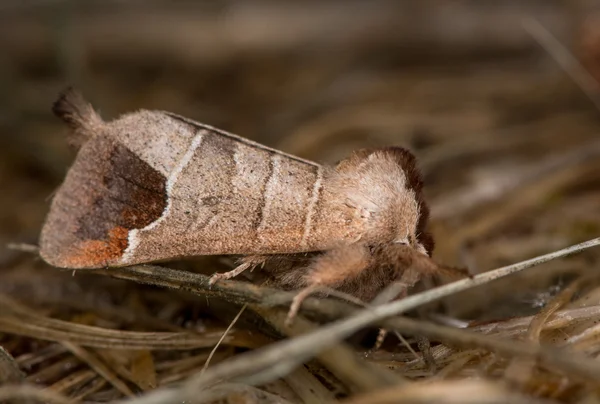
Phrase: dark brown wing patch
[108,192]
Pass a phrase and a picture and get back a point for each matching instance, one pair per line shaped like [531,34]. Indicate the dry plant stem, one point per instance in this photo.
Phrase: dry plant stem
[92,388]
[280,358]
[142,370]
[583,339]
[212,353]
[538,321]
[31,359]
[391,292]
[515,327]
[456,392]
[123,371]
[26,393]
[119,339]
[18,319]
[99,367]
[314,289]
[9,369]
[520,369]
[49,372]
[308,387]
[252,394]
[273,358]
[80,377]
[459,361]
[340,359]
[246,293]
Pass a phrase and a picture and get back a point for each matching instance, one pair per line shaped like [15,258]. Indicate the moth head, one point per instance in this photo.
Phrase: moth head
[384,186]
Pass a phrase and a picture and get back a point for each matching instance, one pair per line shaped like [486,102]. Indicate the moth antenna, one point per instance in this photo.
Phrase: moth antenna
[78,114]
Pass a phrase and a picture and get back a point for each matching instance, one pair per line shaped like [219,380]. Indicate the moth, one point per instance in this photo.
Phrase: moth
[154,186]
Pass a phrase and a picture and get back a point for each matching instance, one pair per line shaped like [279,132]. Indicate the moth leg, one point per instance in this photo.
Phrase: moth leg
[249,262]
[297,302]
[397,290]
[330,270]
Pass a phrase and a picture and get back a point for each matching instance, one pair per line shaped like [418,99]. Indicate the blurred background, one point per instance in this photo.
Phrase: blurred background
[499,101]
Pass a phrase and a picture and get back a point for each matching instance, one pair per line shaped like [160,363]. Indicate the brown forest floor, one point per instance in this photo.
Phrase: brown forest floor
[508,140]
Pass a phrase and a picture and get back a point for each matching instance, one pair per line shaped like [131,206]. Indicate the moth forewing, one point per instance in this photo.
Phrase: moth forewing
[153,186]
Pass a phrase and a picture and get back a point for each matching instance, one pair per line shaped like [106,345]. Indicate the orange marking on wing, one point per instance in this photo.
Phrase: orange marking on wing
[93,252]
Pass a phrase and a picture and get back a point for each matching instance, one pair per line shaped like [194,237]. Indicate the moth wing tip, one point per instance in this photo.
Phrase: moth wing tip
[67,252]
[73,260]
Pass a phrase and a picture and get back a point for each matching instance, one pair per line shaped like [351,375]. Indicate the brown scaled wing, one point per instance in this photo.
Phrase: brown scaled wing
[152,186]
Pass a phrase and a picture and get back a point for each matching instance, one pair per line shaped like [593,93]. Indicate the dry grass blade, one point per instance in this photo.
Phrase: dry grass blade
[517,326]
[99,367]
[520,369]
[212,352]
[96,385]
[143,370]
[420,299]
[577,365]
[122,339]
[24,393]
[308,387]
[459,360]
[9,369]
[587,337]
[537,323]
[290,353]
[80,377]
[446,392]
[243,393]
[340,359]
[281,358]
[12,320]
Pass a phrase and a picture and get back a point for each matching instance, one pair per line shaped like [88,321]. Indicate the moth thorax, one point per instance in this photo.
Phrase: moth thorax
[398,223]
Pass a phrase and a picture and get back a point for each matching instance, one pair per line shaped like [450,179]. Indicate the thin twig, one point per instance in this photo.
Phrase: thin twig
[18,319]
[308,387]
[23,393]
[340,359]
[446,392]
[282,357]
[98,366]
[241,292]
[212,352]
[520,370]
[9,369]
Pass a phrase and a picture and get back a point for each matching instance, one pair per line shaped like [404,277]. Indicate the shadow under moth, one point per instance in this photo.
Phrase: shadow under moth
[152,186]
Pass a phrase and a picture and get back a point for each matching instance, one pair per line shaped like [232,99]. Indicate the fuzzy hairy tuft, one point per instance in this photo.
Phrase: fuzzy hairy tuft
[78,114]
